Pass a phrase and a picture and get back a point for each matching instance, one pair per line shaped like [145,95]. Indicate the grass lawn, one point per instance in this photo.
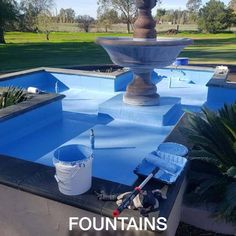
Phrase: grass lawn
[28,50]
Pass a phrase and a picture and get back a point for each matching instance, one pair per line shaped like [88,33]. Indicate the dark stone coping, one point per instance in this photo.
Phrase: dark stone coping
[112,75]
[192,67]
[39,179]
[232,67]
[220,80]
[221,83]
[86,70]
[33,102]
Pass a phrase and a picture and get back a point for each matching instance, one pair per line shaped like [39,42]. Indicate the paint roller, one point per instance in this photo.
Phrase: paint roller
[162,164]
[158,164]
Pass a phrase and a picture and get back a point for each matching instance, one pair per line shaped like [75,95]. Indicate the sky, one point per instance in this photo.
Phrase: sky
[89,7]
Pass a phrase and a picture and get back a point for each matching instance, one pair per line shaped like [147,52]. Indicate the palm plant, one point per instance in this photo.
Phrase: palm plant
[214,141]
[11,96]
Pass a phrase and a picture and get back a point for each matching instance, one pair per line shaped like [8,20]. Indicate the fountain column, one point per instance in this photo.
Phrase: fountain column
[141,91]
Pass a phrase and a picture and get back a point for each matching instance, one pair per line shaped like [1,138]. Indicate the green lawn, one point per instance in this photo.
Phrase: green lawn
[28,50]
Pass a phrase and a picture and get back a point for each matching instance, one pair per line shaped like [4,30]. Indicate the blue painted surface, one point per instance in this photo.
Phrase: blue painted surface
[42,80]
[17,128]
[72,154]
[118,148]
[149,115]
[218,96]
[122,136]
[198,77]
[181,61]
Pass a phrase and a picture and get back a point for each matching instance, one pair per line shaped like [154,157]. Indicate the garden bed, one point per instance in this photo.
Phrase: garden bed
[197,218]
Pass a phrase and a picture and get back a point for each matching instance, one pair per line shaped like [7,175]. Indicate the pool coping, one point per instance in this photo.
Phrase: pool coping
[112,75]
[39,179]
[220,80]
[35,101]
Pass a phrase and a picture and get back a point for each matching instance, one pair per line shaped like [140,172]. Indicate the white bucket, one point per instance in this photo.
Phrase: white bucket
[73,169]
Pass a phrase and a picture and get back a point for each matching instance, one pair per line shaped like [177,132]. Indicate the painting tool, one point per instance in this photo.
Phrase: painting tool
[158,164]
[133,194]
[168,153]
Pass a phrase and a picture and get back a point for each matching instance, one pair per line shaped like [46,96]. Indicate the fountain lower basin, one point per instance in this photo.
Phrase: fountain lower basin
[142,56]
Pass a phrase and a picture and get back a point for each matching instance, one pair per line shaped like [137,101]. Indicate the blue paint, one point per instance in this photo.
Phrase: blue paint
[181,61]
[124,134]
[42,80]
[198,77]
[218,96]
[95,83]
[29,122]
[147,115]
[72,153]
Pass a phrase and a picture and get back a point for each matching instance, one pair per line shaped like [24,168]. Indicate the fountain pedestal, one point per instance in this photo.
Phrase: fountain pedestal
[167,113]
[141,91]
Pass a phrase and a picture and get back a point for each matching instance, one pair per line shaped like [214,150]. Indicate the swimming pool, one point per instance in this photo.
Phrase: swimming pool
[123,134]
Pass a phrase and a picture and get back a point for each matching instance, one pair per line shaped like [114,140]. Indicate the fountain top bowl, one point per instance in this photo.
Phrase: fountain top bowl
[128,41]
[143,54]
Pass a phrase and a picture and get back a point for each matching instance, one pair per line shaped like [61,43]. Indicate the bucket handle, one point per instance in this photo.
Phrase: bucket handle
[72,176]
[73,173]
[82,165]
[56,178]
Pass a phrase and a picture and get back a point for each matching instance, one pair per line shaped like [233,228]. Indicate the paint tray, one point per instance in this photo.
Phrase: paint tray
[179,163]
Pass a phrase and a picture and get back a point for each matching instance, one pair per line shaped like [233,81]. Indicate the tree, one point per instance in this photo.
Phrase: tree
[31,10]
[45,23]
[193,7]
[8,13]
[184,18]
[159,15]
[126,7]
[214,17]
[107,18]
[66,15]
[232,5]
[85,22]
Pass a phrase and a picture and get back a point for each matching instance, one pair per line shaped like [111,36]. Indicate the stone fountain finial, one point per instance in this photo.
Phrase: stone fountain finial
[144,26]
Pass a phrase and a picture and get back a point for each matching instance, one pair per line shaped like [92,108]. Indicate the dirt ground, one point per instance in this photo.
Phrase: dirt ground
[187,230]
[232,77]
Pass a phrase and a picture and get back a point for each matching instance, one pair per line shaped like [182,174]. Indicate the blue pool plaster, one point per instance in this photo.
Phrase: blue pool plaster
[123,134]
[147,115]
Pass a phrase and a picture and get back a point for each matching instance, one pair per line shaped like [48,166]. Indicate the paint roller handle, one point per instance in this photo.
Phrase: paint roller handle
[126,202]
[133,194]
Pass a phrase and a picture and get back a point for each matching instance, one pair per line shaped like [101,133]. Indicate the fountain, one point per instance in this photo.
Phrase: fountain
[142,54]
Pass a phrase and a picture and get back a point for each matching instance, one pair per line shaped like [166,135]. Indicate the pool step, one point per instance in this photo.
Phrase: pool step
[167,113]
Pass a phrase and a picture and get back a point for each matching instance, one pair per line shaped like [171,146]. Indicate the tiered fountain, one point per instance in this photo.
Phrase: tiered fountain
[142,54]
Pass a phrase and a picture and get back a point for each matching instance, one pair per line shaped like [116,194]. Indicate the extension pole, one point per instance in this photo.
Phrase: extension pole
[133,194]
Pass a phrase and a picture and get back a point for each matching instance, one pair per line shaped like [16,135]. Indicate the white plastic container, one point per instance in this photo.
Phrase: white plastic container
[33,90]
[73,165]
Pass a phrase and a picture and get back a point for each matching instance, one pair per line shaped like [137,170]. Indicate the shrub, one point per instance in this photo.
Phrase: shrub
[10,96]
[214,138]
